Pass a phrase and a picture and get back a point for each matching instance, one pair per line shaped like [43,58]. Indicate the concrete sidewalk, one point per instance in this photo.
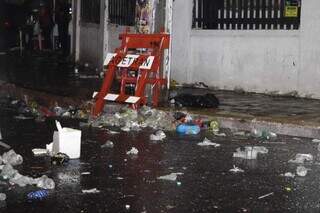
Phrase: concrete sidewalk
[280,114]
[242,111]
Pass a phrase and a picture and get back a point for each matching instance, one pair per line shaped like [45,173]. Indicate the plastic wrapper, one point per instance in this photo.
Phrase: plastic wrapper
[8,172]
[45,182]
[301,158]
[22,180]
[11,157]
[158,136]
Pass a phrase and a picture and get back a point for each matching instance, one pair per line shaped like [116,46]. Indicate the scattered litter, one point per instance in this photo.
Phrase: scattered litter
[170,177]
[200,85]
[250,152]
[127,207]
[128,119]
[302,158]
[108,144]
[179,183]
[266,195]
[297,139]
[59,159]
[91,191]
[204,101]
[188,129]
[133,151]
[38,195]
[8,172]
[39,152]
[12,158]
[158,136]
[214,126]
[21,180]
[85,173]
[22,117]
[288,174]
[316,140]
[302,171]
[45,182]
[236,169]
[220,134]
[207,142]
[125,129]
[288,189]
[4,144]
[120,178]
[113,132]
[3,196]
[265,135]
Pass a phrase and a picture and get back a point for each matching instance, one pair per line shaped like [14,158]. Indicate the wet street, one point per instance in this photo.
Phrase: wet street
[130,183]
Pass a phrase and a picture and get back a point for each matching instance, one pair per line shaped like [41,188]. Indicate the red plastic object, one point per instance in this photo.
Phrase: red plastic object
[153,45]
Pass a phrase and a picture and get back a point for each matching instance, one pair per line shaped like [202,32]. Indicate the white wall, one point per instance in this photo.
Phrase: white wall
[258,61]
[91,40]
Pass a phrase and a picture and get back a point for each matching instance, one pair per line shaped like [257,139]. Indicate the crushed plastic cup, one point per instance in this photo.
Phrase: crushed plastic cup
[8,172]
[207,142]
[158,136]
[12,158]
[133,151]
[302,171]
[250,152]
[108,144]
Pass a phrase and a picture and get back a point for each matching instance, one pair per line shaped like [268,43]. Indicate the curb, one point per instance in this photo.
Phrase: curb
[276,127]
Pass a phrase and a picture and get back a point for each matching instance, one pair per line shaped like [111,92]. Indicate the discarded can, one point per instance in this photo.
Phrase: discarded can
[59,159]
[38,195]
[214,126]
[188,129]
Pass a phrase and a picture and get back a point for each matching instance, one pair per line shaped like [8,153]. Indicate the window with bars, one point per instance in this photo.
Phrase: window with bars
[246,14]
[122,12]
[90,11]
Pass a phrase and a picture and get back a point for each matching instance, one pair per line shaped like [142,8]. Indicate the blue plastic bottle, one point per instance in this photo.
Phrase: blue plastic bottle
[188,129]
[38,195]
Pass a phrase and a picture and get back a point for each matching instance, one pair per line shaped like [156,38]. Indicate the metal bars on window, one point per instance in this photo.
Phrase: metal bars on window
[90,11]
[246,14]
[122,12]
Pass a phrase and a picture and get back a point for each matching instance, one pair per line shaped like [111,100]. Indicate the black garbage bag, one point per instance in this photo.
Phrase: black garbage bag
[205,101]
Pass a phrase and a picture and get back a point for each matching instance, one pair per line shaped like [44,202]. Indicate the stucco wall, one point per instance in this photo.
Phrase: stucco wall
[258,61]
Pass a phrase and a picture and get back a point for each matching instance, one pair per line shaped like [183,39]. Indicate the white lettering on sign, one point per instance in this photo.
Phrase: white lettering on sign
[108,58]
[148,63]
[128,61]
